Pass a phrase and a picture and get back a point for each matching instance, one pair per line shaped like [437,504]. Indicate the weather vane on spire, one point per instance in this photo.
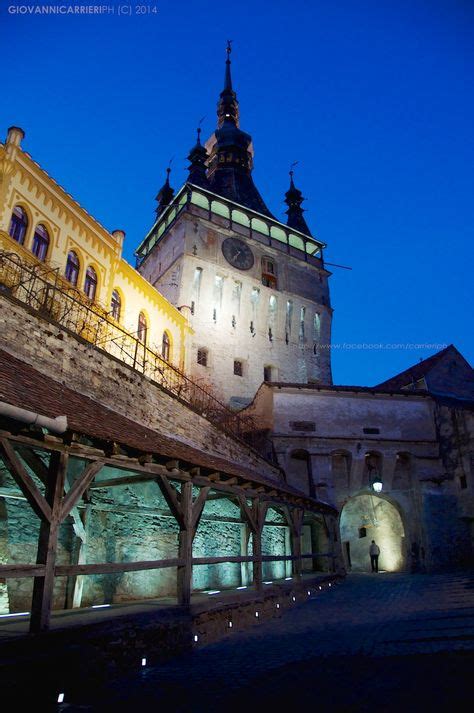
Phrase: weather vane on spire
[295,163]
[229,48]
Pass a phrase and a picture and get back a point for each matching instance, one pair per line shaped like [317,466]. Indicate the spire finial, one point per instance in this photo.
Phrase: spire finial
[228,77]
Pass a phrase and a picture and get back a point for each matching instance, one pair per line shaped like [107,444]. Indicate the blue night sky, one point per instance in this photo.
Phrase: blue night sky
[374,98]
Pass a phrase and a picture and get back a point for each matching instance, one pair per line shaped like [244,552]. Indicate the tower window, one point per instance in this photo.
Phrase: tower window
[316,326]
[462,482]
[197,283]
[267,373]
[72,268]
[90,283]
[236,296]
[302,319]
[18,225]
[165,346]
[218,290]
[116,305]
[238,367]
[269,274]
[40,242]
[288,319]
[142,328]
[202,357]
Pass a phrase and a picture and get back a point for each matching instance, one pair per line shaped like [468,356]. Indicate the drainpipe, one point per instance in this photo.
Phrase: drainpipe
[56,425]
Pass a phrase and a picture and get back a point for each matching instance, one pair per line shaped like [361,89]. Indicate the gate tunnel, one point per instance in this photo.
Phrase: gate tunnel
[368,517]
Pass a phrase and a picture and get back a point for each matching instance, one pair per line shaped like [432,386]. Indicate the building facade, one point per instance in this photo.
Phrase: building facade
[255,290]
[397,463]
[45,227]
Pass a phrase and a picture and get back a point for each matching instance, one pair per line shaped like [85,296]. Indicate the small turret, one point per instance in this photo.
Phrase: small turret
[294,199]
[165,194]
[198,163]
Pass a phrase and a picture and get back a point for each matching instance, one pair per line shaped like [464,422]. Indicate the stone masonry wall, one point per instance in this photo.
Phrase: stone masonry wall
[72,361]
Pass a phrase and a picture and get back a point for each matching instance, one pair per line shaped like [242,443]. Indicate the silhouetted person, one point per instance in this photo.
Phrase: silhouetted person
[374,552]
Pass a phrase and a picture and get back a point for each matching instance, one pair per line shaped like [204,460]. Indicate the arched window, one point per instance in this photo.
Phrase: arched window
[72,267]
[165,346]
[142,328]
[116,305]
[18,225]
[90,283]
[40,242]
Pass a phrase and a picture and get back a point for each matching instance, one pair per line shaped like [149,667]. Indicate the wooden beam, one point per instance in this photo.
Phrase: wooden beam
[24,481]
[47,545]
[113,567]
[81,484]
[198,507]
[21,570]
[171,497]
[35,463]
[247,513]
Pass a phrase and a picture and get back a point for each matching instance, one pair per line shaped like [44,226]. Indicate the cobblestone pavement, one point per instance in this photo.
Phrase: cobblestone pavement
[387,641]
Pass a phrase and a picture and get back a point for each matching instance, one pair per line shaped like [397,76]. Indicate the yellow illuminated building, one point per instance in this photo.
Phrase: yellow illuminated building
[45,227]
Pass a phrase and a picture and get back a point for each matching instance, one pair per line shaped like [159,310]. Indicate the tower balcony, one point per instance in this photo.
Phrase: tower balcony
[232,216]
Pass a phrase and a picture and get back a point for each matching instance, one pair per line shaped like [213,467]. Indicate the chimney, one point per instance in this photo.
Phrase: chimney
[119,236]
[15,135]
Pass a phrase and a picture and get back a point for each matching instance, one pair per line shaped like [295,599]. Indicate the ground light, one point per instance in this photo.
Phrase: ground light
[61,698]
[196,637]
[143,662]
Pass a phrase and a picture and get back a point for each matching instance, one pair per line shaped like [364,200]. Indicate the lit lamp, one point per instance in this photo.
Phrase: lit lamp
[377,484]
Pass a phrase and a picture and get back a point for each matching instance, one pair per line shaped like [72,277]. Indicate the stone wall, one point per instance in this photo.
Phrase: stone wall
[94,373]
[222,324]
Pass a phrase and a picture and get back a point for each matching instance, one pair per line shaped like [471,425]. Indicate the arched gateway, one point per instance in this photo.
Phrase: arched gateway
[368,517]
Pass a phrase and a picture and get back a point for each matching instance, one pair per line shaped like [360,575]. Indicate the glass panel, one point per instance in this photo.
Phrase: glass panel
[200,200]
[220,209]
[278,234]
[260,226]
[296,242]
[241,218]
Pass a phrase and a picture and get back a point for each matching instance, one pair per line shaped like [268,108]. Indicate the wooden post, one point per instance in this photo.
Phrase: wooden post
[185,550]
[244,551]
[187,514]
[255,517]
[257,561]
[296,525]
[76,582]
[47,545]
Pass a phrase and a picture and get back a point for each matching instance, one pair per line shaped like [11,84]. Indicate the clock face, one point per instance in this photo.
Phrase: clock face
[238,253]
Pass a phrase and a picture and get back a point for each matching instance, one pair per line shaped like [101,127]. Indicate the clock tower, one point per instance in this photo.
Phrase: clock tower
[254,288]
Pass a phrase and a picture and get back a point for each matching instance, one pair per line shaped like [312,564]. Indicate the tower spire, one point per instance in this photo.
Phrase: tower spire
[228,106]
[165,194]
[197,163]
[294,199]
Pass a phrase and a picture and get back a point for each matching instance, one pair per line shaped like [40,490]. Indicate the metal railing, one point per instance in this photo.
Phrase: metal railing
[47,292]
